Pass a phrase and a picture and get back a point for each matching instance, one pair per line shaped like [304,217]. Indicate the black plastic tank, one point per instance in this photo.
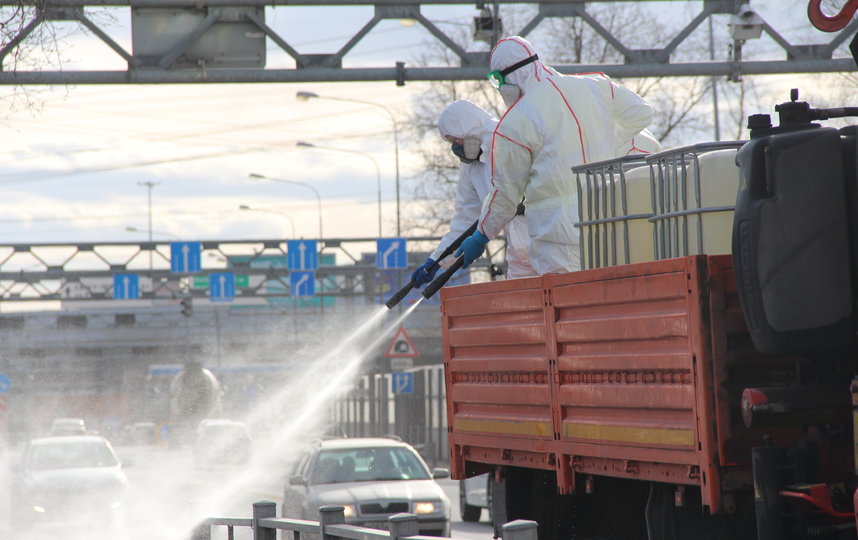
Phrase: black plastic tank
[793,246]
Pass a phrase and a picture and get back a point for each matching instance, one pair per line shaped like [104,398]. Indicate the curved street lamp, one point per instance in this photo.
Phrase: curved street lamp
[255,176]
[304,144]
[150,232]
[287,216]
[304,96]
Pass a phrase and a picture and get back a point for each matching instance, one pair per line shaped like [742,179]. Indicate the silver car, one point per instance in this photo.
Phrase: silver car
[69,480]
[372,478]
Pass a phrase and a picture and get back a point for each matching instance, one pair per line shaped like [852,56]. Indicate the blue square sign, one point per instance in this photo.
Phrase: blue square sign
[126,287]
[391,254]
[402,382]
[302,255]
[302,283]
[185,257]
[222,287]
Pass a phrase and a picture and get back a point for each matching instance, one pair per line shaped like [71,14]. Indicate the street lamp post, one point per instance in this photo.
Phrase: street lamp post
[254,176]
[150,232]
[150,185]
[287,216]
[304,96]
[304,144]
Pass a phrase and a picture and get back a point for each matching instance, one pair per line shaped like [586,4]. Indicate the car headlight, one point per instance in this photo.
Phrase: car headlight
[348,510]
[426,507]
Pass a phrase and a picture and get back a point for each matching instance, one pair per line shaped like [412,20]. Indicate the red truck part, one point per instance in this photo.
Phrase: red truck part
[632,372]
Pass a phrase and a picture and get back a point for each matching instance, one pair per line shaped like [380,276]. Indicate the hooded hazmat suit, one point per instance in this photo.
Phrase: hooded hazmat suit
[461,120]
[557,122]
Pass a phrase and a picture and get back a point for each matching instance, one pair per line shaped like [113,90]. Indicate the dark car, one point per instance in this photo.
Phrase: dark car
[372,478]
[69,480]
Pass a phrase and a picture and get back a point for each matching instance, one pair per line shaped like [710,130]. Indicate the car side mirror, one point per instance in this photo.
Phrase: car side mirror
[440,472]
[297,480]
[127,463]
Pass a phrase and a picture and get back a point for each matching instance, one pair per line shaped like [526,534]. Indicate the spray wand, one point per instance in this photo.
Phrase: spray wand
[441,280]
[396,298]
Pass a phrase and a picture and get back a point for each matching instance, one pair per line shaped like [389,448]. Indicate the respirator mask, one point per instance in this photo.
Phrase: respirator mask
[469,151]
[509,92]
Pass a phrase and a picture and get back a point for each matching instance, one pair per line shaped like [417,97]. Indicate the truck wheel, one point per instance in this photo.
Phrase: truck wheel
[469,513]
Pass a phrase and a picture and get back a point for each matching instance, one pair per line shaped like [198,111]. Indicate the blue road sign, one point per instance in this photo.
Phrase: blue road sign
[391,254]
[402,382]
[185,257]
[126,286]
[302,255]
[5,383]
[302,283]
[222,287]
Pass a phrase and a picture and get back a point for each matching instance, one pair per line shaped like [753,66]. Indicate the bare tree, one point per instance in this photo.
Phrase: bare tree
[30,40]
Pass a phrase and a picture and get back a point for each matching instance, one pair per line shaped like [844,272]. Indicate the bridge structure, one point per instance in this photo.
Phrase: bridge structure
[224,41]
[71,347]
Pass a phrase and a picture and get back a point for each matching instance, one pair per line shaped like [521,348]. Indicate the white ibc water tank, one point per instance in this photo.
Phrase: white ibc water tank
[695,193]
[615,207]
[671,204]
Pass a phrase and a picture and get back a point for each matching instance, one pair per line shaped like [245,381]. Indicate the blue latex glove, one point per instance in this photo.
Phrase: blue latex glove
[424,273]
[472,248]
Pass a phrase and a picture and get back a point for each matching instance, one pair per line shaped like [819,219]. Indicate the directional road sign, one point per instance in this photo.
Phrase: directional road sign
[391,254]
[185,257]
[126,286]
[302,255]
[222,287]
[402,382]
[5,383]
[302,283]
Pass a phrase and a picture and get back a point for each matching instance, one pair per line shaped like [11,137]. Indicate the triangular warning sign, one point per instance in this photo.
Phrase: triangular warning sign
[401,346]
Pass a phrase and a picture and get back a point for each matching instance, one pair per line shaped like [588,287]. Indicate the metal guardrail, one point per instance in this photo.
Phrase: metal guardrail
[332,525]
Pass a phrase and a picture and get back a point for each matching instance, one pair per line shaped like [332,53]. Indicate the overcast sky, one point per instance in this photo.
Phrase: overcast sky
[72,169]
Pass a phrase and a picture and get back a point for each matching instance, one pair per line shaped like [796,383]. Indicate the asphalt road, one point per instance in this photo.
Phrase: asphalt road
[166,489]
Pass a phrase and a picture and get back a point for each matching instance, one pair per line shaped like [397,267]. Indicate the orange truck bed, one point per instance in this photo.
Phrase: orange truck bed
[633,371]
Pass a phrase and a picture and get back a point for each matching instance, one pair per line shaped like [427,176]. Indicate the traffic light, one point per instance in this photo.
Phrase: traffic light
[187,307]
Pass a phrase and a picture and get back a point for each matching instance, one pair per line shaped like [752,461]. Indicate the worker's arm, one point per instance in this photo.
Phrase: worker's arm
[631,112]
[468,206]
[511,161]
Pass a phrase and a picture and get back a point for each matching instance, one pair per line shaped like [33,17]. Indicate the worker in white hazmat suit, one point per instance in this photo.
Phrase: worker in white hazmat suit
[553,122]
[469,129]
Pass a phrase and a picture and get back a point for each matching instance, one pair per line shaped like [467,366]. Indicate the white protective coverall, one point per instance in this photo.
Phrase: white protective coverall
[642,143]
[558,122]
[463,119]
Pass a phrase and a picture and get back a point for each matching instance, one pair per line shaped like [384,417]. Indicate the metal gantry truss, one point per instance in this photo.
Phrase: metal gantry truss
[85,271]
[175,66]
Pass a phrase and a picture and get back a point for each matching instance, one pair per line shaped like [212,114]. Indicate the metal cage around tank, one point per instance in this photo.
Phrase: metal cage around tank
[652,207]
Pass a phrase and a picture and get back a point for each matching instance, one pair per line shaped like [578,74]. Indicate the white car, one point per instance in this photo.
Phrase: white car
[222,442]
[475,493]
[373,479]
[69,480]
[67,426]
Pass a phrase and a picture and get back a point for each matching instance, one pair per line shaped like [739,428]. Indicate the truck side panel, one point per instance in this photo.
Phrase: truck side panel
[633,371]
[629,360]
[496,370]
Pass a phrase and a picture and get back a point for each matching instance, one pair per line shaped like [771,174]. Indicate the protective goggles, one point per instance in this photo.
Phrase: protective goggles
[498,76]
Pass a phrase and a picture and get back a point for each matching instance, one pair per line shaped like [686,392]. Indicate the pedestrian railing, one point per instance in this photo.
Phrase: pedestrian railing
[332,526]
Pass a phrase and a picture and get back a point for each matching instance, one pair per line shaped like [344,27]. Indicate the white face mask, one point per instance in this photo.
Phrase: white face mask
[472,147]
[510,93]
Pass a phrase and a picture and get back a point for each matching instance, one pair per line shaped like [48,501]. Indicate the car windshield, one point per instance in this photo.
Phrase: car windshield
[368,464]
[69,456]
